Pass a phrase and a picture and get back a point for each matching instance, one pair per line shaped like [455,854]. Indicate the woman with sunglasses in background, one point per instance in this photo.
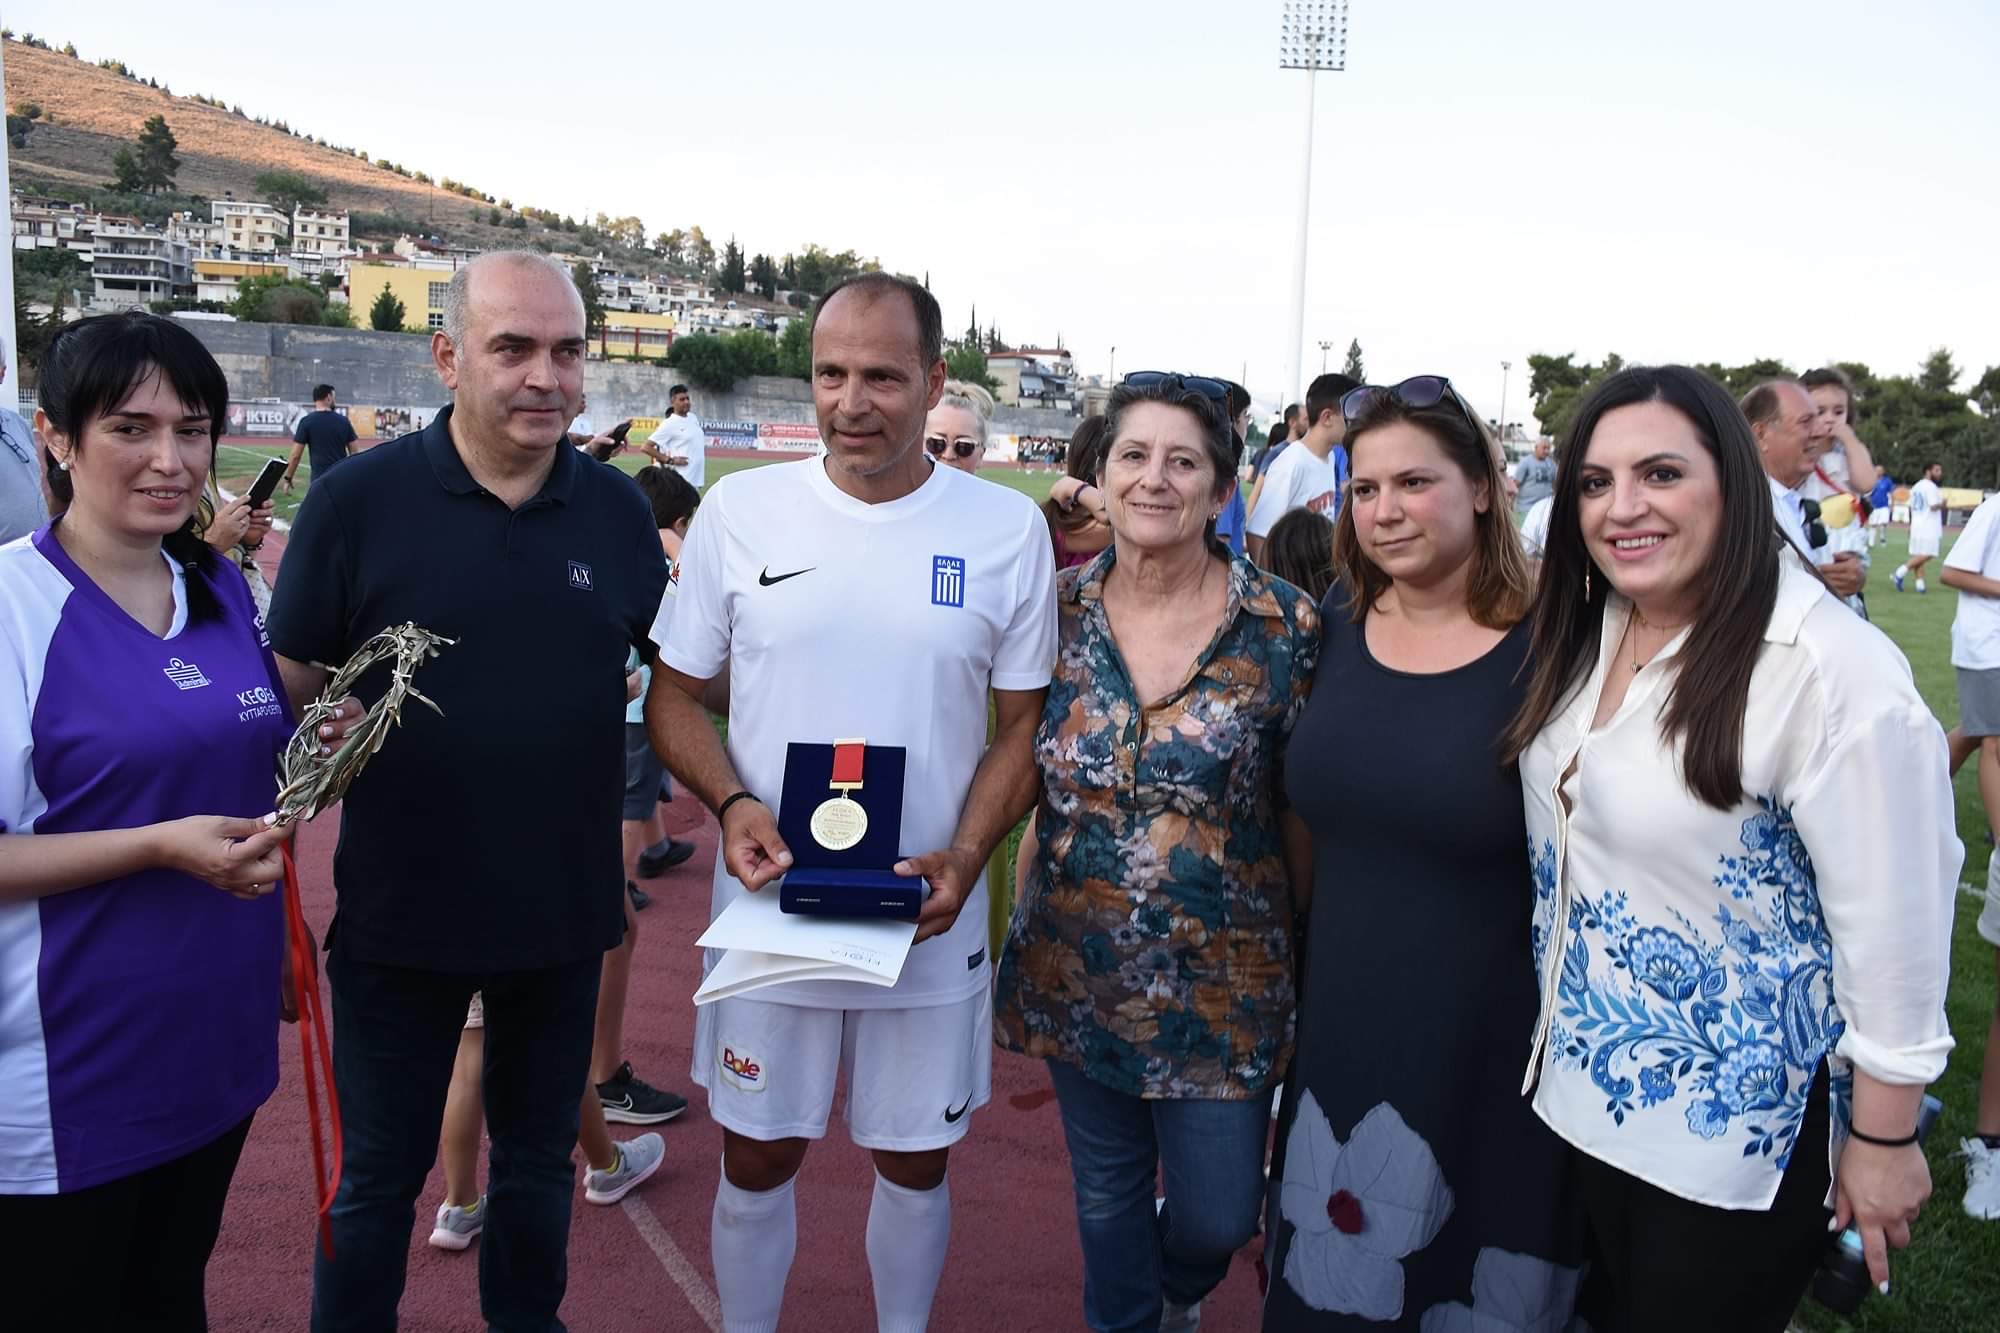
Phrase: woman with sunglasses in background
[1414,1183]
[1149,960]
[955,430]
[1742,993]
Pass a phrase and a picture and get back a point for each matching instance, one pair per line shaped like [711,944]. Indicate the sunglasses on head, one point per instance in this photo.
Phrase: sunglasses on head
[937,444]
[1213,390]
[1418,391]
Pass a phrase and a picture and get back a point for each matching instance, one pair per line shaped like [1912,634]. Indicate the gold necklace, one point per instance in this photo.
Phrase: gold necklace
[1632,640]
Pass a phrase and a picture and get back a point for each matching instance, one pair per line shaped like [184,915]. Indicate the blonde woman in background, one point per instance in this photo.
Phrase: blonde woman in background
[955,430]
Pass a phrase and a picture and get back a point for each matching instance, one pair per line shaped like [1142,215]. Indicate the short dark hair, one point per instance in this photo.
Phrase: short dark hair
[322,392]
[1705,706]
[89,368]
[1217,438]
[1831,377]
[1292,411]
[1323,395]
[672,496]
[676,392]
[1934,463]
[930,319]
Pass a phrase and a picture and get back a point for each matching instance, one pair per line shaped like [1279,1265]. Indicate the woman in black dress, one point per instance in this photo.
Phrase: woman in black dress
[1414,1187]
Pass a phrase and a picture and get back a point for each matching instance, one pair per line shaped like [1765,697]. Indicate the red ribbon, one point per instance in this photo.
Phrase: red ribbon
[312,1034]
[847,763]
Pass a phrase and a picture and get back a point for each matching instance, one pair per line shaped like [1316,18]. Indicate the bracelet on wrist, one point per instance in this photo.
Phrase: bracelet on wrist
[1903,1142]
[732,799]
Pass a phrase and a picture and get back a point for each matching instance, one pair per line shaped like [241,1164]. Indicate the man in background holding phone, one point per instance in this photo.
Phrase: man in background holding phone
[327,434]
[679,441]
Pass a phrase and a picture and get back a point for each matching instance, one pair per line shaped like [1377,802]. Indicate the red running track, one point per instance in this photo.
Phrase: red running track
[644,1264]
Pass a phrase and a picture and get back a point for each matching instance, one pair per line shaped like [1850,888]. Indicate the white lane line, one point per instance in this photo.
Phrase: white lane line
[692,1284]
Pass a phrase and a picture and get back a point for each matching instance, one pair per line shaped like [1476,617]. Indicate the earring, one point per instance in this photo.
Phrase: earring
[1586,584]
[63,463]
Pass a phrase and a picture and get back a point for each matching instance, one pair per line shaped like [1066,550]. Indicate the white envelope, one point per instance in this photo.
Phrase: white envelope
[766,946]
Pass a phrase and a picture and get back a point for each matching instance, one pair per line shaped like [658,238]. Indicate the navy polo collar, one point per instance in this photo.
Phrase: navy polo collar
[451,473]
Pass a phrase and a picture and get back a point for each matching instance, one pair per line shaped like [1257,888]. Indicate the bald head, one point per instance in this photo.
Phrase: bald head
[512,353]
[498,274]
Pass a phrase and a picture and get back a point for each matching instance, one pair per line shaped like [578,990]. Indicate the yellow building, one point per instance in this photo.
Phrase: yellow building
[217,279]
[635,333]
[421,290]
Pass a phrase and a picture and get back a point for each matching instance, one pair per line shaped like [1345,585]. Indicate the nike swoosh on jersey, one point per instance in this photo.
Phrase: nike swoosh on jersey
[765,579]
[952,1117]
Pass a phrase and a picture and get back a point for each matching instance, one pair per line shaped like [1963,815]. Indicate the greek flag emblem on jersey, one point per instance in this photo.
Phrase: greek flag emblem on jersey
[947,581]
[185,675]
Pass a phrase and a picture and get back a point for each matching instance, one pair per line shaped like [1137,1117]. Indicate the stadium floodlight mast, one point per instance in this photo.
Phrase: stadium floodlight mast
[1312,36]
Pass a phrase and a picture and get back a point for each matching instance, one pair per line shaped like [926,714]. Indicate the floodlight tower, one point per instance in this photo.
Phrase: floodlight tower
[1312,36]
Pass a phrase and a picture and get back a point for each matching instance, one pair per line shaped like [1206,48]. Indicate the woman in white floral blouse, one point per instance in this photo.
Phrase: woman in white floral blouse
[1742,986]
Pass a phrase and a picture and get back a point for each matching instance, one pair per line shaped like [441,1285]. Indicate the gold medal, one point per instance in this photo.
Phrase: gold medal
[839,823]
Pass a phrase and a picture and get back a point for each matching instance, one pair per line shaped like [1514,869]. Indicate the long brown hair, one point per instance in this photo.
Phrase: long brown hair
[1711,674]
[1499,588]
[1086,451]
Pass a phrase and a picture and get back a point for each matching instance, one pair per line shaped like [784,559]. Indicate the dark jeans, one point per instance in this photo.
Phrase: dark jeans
[1661,1264]
[1209,1155]
[127,1254]
[395,1034]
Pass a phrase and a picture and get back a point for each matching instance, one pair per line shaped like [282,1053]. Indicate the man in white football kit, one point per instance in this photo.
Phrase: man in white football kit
[865,594]
[1926,525]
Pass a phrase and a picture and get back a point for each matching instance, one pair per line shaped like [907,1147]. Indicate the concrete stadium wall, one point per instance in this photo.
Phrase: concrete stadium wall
[285,361]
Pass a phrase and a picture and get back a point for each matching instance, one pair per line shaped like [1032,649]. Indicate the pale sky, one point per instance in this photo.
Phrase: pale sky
[1708,180]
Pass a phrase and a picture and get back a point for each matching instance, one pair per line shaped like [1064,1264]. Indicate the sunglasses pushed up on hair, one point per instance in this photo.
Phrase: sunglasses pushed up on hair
[1418,391]
[937,444]
[1213,390]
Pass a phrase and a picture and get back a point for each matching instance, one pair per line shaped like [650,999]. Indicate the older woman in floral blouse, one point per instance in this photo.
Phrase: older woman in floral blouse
[1150,958]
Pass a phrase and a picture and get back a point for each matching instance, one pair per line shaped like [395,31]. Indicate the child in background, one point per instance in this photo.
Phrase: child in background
[1299,550]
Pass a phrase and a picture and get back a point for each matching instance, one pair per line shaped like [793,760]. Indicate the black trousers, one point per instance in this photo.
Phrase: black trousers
[129,1254]
[1661,1264]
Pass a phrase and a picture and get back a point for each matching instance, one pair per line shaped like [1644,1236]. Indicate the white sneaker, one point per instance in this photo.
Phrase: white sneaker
[638,1159]
[1982,1179]
[1180,1318]
[456,1226]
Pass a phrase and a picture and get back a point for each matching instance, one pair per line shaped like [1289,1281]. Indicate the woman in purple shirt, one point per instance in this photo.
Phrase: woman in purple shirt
[140,720]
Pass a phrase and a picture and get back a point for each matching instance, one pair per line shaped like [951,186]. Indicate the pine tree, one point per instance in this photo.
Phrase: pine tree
[387,312]
[1353,368]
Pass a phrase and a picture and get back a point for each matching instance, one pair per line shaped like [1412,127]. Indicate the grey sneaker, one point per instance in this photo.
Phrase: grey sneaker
[1180,1318]
[457,1226]
[638,1159]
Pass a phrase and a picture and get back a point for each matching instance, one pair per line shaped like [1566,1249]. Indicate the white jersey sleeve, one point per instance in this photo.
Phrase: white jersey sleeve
[1278,497]
[1026,657]
[697,633]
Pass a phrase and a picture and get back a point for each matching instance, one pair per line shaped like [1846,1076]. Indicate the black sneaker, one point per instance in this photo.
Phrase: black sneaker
[641,899]
[630,1101]
[657,860]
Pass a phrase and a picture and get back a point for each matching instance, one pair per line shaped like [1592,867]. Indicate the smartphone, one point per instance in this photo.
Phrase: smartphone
[267,481]
[620,431]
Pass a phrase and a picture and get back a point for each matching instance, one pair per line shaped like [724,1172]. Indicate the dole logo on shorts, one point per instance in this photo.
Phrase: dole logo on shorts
[741,1070]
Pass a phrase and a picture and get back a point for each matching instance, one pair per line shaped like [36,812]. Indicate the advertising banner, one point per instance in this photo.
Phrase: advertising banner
[788,437]
[731,434]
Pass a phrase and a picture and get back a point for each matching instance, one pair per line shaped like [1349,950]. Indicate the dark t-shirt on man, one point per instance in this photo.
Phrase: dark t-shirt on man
[326,436]
[485,839]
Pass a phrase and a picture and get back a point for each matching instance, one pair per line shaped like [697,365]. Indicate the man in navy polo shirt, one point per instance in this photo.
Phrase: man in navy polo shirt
[479,851]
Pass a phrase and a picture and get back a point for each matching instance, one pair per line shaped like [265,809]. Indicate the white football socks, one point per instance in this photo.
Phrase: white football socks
[908,1234]
[752,1239]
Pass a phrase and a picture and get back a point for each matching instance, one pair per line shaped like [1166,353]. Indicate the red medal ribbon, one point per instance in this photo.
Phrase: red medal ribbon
[313,1042]
[847,763]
